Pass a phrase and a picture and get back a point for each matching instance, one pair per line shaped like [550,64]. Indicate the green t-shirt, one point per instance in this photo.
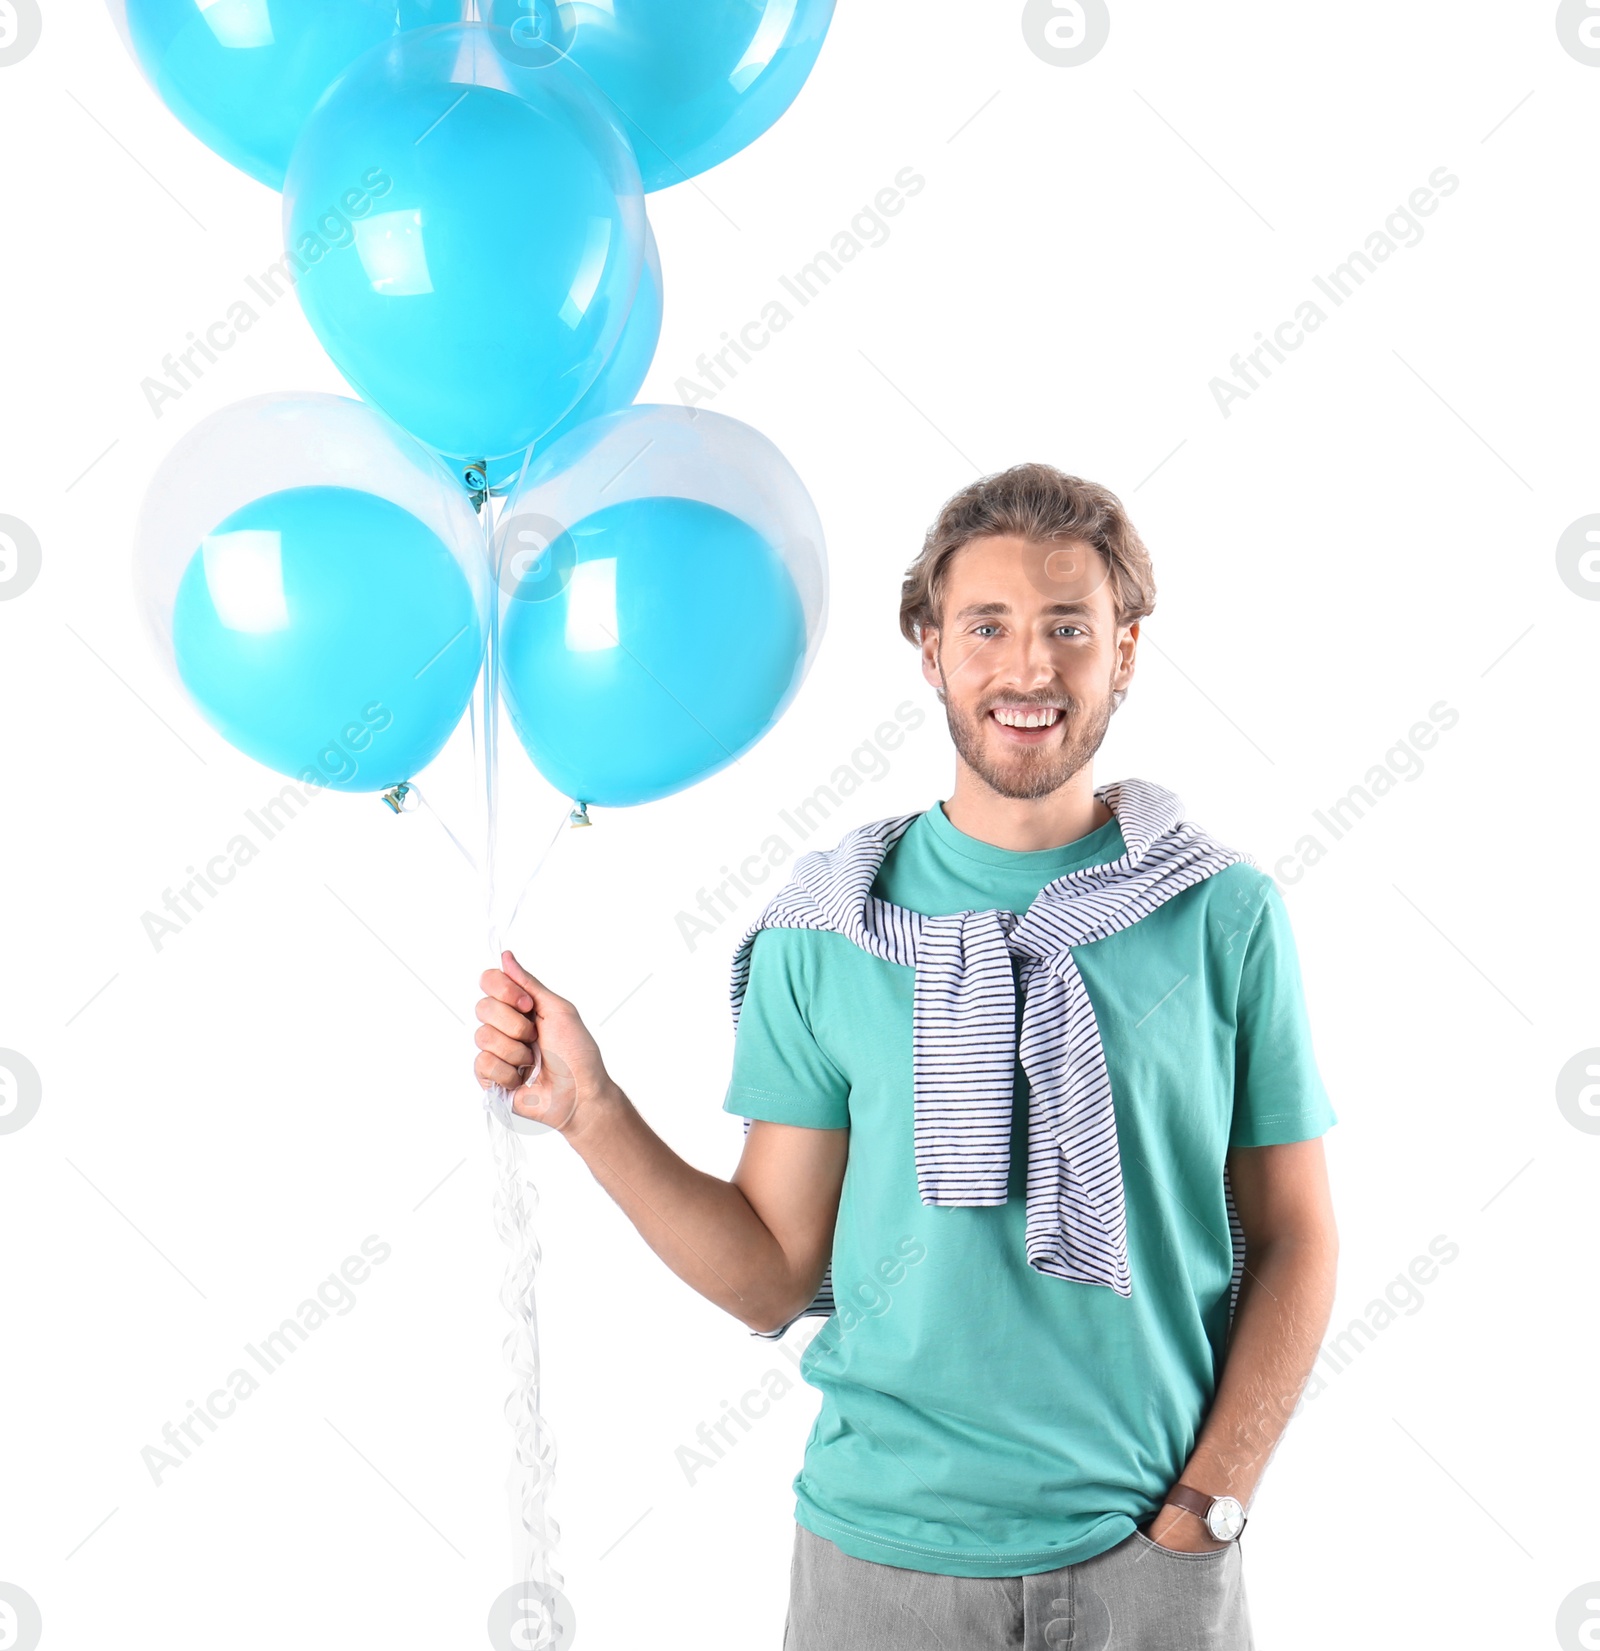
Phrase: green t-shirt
[979,1418]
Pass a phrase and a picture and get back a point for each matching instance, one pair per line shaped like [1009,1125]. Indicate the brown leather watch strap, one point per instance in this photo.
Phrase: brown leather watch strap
[1190,1500]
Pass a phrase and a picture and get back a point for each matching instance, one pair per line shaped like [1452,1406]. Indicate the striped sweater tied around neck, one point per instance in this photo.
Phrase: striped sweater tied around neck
[970,968]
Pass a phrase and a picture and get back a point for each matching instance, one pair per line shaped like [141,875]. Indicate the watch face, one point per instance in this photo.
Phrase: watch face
[1226,1519]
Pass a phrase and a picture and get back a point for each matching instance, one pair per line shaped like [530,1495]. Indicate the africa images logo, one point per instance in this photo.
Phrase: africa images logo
[20,1623]
[1578,558]
[1578,30]
[1578,1620]
[1065,33]
[20,27]
[20,1094]
[20,555]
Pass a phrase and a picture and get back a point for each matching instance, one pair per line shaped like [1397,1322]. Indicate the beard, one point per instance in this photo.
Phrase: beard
[1027,772]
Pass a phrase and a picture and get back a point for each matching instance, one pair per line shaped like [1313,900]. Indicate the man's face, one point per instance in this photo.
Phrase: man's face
[1028,635]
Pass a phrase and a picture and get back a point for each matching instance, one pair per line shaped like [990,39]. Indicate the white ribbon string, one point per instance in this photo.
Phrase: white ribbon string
[440,821]
[534,1534]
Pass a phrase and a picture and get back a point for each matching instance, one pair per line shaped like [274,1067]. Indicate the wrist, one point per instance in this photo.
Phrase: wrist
[594,1111]
[1179,1530]
[1220,1517]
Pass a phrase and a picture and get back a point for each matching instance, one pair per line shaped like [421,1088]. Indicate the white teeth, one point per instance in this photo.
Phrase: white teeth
[1046,718]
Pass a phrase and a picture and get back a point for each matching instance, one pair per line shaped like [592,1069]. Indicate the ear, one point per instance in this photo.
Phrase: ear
[1127,648]
[930,658]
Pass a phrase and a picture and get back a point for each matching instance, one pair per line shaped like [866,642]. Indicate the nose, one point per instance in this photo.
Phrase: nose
[1026,663]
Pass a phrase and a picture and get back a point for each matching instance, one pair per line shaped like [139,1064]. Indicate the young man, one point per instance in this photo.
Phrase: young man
[1031,1091]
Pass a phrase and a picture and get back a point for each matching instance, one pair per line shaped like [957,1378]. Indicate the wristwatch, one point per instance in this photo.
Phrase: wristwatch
[1224,1516]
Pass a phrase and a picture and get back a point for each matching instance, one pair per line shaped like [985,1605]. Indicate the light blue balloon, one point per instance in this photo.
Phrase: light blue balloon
[695,80]
[243,75]
[329,634]
[469,231]
[622,376]
[648,648]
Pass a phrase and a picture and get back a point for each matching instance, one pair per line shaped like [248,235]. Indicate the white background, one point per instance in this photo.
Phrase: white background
[1372,532]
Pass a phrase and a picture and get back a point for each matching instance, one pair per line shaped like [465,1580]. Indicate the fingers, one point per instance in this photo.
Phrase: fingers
[501,986]
[509,963]
[488,1069]
[506,1049]
[528,1103]
[503,1018]
[507,1036]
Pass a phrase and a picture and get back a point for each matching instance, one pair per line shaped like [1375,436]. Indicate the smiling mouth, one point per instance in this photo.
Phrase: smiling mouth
[1027,723]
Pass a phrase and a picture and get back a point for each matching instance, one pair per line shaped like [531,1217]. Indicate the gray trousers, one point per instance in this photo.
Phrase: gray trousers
[1137,1596]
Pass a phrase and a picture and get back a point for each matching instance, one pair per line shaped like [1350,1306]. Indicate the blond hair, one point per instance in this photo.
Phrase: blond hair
[1039,503]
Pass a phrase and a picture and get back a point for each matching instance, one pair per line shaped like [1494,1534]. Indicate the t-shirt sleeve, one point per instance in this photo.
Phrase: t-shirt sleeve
[1278,1093]
[780,1072]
